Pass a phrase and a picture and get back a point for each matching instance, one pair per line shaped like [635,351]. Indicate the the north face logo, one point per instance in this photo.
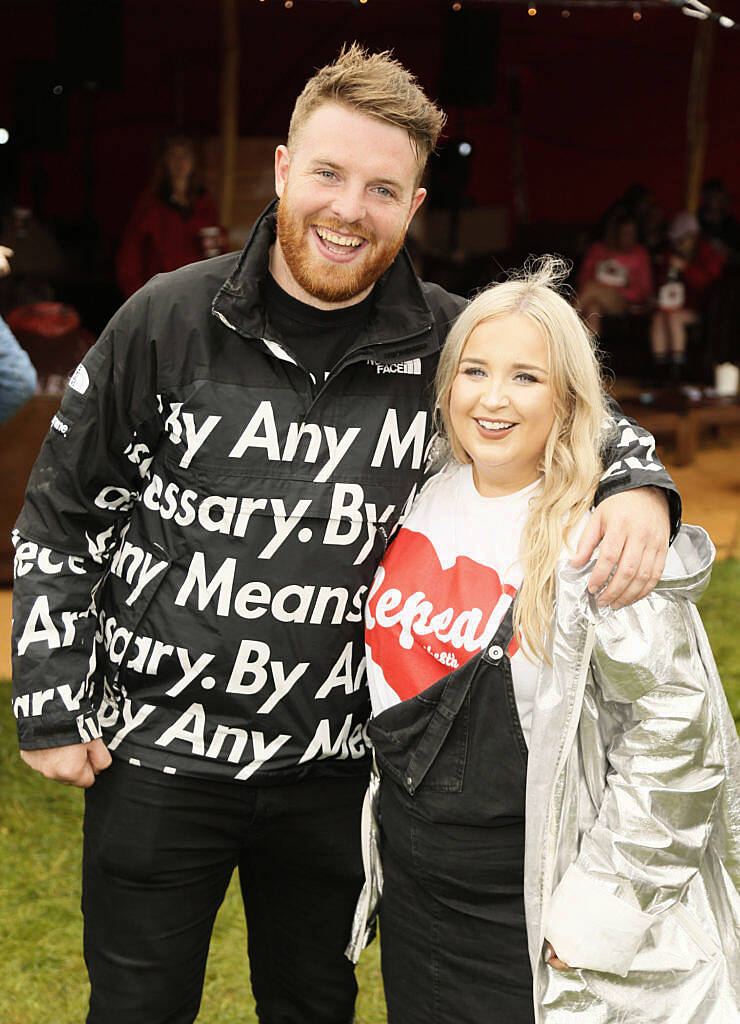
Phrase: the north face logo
[80,381]
[410,366]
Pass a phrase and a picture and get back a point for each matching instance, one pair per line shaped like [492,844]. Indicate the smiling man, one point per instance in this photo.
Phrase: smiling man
[195,550]
[344,210]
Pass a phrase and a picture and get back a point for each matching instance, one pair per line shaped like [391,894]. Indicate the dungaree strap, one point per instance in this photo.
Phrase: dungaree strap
[450,703]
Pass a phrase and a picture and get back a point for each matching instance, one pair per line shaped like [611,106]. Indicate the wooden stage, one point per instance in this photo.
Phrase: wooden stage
[684,421]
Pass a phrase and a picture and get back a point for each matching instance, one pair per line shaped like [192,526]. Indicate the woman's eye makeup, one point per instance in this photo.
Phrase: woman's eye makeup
[522,376]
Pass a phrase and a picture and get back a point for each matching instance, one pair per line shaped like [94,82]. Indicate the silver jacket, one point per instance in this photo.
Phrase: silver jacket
[632,862]
[633,810]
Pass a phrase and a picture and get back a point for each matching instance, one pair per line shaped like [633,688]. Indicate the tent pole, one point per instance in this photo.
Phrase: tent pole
[696,121]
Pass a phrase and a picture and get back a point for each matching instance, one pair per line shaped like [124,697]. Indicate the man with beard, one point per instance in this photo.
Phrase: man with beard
[196,546]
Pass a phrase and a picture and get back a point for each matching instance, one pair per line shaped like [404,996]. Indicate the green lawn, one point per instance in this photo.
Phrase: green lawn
[42,978]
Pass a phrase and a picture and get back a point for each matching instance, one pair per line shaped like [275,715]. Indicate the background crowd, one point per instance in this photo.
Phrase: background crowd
[659,288]
[671,280]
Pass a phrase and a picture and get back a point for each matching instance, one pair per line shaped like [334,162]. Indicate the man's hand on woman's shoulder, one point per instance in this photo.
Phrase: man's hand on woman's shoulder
[632,530]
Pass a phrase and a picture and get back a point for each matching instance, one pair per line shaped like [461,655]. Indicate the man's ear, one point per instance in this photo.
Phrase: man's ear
[419,197]
[282,166]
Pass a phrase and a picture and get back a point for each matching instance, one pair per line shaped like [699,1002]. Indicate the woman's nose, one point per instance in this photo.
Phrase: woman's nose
[495,395]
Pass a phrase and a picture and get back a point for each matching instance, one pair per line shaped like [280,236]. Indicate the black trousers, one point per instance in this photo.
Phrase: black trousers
[159,852]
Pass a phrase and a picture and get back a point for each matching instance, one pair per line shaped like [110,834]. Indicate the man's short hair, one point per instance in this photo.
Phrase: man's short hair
[377,85]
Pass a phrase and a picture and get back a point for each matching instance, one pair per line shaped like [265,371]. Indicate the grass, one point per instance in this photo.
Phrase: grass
[42,977]
[719,610]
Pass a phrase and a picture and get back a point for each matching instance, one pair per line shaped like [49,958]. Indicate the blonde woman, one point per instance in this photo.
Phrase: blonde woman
[558,796]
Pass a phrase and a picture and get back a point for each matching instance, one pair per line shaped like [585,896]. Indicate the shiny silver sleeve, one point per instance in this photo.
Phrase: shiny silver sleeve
[665,767]
[366,911]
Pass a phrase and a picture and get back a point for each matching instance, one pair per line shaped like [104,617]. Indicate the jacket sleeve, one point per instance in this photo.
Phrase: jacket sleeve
[665,772]
[79,497]
[17,375]
[630,461]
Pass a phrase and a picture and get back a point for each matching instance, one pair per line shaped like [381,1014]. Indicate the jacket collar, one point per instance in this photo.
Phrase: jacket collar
[400,311]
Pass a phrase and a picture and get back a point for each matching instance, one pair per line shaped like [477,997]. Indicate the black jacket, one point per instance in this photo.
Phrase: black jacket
[204,520]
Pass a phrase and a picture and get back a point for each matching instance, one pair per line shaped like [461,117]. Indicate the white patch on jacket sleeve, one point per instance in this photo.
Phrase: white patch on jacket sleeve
[80,380]
[58,424]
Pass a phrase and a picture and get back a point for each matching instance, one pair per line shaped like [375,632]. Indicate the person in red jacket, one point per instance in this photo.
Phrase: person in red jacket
[174,223]
[615,277]
[687,268]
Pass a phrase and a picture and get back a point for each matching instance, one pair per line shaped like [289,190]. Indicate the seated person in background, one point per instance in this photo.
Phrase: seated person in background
[17,375]
[685,271]
[174,223]
[639,201]
[615,277]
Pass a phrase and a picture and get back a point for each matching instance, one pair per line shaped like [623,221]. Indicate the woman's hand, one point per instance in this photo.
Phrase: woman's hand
[553,960]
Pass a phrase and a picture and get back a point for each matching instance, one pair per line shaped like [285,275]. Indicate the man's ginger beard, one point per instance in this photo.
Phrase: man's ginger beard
[324,280]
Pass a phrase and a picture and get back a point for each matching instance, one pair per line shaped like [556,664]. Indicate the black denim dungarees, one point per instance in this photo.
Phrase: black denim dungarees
[453,764]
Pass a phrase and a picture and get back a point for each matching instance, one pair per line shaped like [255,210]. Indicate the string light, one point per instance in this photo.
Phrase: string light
[693,8]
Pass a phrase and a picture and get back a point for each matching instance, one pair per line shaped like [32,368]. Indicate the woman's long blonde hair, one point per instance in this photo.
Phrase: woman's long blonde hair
[571,462]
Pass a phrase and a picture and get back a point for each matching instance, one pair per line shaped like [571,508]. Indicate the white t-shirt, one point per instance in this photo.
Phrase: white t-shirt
[442,589]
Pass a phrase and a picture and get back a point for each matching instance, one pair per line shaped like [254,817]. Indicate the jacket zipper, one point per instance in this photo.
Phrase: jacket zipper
[276,350]
[355,357]
[363,353]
